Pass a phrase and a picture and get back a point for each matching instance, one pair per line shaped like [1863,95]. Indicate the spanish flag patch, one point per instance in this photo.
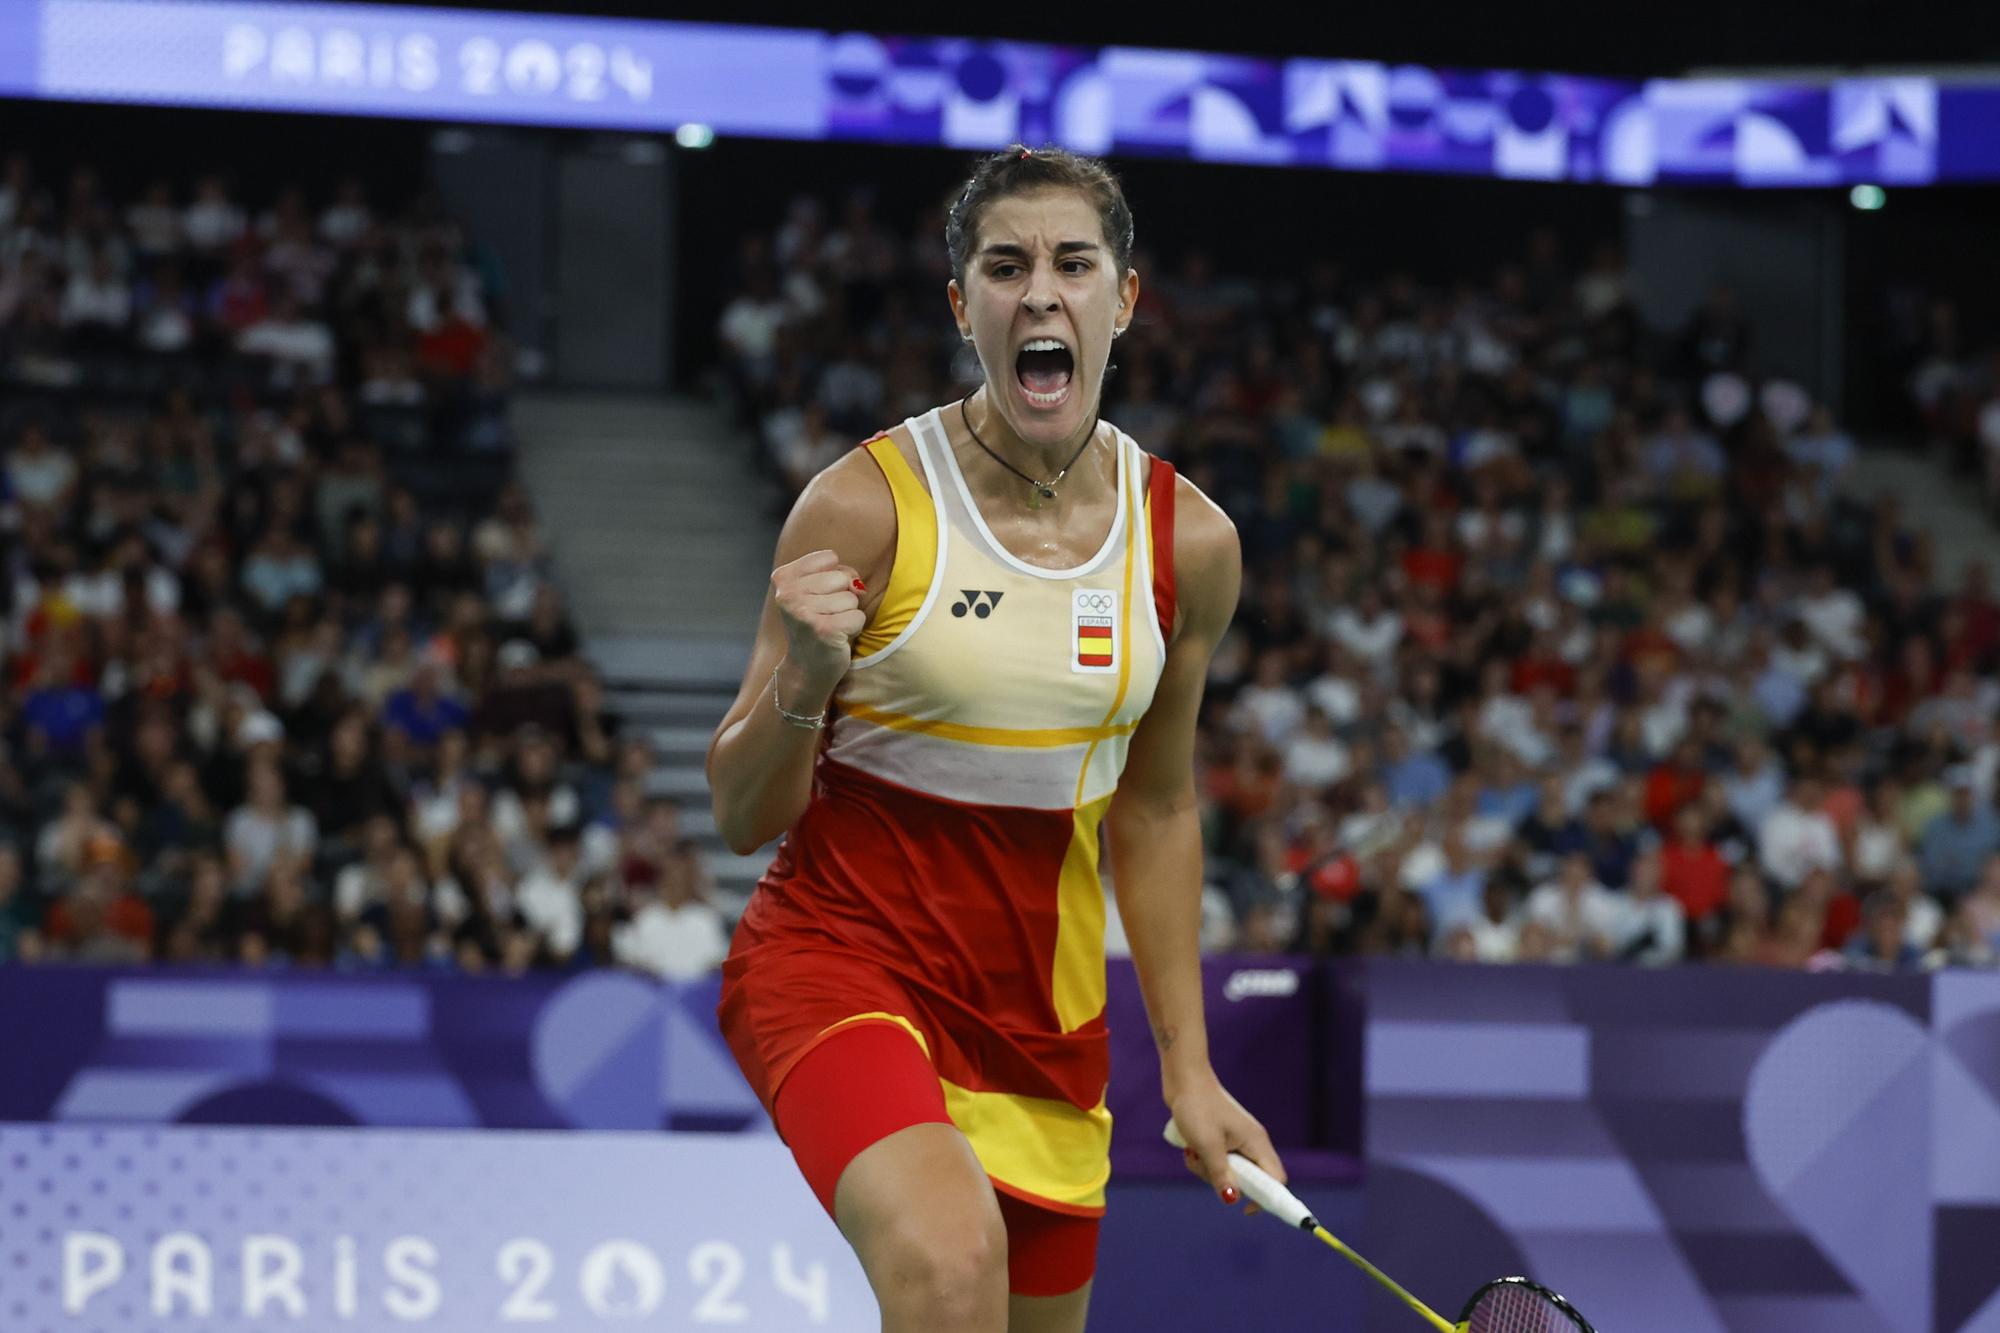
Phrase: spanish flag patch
[1094,630]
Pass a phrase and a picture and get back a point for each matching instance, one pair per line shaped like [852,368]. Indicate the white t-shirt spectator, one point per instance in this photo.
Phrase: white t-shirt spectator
[750,327]
[257,840]
[1593,775]
[1792,843]
[1275,710]
[1315,761]
[1373,641]
[1656,924]
[675,943]
[1805,663]
[1335,696]
[40,480]
[1922,920]
[1877,848]
[1493,941]
[1594,914]
[343,224]
[210,224]
[553,906]
[306,345]
[1834,618]
[1691,627]
[93,299]
[1753,796]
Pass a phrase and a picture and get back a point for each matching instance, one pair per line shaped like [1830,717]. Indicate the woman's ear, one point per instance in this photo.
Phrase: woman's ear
[955,295]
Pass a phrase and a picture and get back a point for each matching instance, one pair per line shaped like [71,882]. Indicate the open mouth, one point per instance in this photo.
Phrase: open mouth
[1045,367]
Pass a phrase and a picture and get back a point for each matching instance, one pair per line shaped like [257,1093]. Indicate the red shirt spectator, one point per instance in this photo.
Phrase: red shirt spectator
[1673,786]
[1691,868]
[1534,669]
[451,348]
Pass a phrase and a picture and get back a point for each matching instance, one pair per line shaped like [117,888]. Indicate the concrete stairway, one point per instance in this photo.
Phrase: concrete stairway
[661,533]
[1935,500]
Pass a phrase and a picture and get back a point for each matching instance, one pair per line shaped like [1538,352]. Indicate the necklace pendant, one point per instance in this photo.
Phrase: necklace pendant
[1035,494]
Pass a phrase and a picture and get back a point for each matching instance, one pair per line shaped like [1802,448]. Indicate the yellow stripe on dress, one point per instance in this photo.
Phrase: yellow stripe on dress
[1077,978]
[1031,738]
[1037,1145]
[1132,531]
[874,1016]
[916,550]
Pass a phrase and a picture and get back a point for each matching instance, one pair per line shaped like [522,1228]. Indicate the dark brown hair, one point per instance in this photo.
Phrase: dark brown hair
[1024,170]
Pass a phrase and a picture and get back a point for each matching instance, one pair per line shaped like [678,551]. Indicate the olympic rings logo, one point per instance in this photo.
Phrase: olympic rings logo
[1099,602]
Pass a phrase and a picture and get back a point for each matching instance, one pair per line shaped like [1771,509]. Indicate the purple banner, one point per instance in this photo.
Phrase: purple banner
[599,1050]
[134,1231]
[1694,1151]
[1351,115]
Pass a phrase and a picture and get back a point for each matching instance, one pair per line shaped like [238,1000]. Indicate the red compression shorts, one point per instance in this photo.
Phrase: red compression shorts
[864,1083]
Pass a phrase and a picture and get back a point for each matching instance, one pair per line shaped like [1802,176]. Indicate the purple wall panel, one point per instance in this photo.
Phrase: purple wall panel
[1733,1150]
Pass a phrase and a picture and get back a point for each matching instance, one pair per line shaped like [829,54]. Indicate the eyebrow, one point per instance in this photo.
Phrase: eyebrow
[1004,249]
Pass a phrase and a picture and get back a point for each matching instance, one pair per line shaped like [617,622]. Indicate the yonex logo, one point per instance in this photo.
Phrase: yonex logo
[970,601]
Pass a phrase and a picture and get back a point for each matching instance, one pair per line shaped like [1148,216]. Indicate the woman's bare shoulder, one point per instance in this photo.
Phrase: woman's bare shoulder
[1208,559]
[848,509]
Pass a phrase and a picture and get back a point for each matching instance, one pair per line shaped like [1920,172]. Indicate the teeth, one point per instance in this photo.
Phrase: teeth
[1046,399]
[1043,345]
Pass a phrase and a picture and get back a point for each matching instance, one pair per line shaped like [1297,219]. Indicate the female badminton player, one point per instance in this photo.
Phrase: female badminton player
[984,643]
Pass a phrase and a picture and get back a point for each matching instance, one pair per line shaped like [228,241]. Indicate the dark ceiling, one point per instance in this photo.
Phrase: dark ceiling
[1632,39]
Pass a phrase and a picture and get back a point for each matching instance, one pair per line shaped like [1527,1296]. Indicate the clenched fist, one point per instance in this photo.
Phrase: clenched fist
[819,600]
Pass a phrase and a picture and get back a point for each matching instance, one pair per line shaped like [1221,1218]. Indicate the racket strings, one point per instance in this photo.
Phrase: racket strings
[1514,1309]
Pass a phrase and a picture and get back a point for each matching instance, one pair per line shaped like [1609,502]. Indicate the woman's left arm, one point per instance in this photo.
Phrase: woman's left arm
[1153,830]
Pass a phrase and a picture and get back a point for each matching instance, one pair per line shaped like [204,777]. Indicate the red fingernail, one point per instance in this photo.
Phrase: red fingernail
[1229,1195]
[859,586]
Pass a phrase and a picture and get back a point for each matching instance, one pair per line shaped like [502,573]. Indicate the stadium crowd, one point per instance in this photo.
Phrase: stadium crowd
[287,679]
[1561,638]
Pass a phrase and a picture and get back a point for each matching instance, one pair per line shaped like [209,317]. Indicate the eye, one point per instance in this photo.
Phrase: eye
[1075,266]
[1004,271]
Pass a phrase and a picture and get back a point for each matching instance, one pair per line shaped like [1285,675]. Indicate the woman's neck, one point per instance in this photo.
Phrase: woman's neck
[1041,462]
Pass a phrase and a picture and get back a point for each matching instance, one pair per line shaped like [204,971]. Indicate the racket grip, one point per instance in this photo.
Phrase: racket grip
[1259,1186]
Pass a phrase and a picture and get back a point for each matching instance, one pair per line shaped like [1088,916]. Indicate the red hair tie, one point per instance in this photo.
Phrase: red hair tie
[1027,153]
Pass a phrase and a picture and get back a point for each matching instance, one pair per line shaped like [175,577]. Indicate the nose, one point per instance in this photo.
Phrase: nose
[1040,296]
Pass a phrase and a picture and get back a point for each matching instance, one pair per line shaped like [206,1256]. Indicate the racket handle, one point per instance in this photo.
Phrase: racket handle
[1259,1186]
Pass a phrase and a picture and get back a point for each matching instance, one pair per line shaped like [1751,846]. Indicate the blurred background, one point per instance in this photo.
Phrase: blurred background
[1598,783]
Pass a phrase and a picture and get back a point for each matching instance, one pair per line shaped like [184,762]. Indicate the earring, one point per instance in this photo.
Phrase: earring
[966,338]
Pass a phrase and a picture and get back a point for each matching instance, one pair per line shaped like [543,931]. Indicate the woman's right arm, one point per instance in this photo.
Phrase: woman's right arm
[842,528]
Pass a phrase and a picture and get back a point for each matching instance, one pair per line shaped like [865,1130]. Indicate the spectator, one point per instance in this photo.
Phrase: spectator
[1692,870]
[100,919]
[265,829]
[61,717]
[422,712]
[1956,844]
[15,922]
[1923,918]
[551,898]
[39,476]
[1797,838]
[674,935]
[300,348]
[1582,917]
[1653,928]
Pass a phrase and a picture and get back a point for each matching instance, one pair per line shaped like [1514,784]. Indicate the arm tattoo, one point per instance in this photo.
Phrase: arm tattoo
[1165,1037]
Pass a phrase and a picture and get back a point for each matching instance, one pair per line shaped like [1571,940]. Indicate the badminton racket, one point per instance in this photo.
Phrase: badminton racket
[1506,1305]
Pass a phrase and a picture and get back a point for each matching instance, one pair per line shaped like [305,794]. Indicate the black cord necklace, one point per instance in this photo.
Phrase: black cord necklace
[1038,491]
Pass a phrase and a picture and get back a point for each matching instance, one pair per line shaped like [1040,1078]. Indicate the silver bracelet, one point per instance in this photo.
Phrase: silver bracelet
[803,721]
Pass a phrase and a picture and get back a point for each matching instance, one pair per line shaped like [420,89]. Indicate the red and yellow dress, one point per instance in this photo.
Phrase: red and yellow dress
[943,878]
